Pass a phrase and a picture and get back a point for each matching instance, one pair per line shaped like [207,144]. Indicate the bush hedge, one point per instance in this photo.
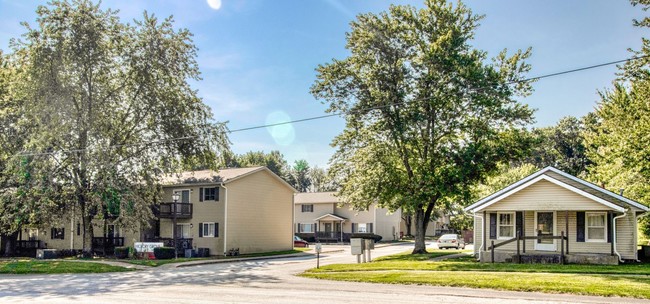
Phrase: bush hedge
[121,252]
[164,253]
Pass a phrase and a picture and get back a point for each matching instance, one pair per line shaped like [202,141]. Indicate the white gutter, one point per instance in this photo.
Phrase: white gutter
[225,220]
[480,249]
[614,234]
[637,229]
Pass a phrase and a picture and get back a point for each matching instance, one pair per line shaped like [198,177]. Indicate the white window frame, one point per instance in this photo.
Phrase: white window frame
[207,225]
[604,239]
[514,225]
[180,193]
[305,227]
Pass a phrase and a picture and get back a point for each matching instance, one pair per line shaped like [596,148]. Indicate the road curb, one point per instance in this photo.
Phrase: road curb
[207,262]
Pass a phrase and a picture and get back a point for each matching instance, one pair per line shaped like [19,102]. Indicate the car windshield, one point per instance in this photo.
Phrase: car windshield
[448,237]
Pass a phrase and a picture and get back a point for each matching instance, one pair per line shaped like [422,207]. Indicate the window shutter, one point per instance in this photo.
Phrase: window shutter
[519,220]
[493,225]
[216,194]
[200,229]
[580,226]
[51,233]
[78,229]
[315,228]
[610,217]
[354,227]
[298,228]
[63,233]
[216,229]
[370,228]
[200,194]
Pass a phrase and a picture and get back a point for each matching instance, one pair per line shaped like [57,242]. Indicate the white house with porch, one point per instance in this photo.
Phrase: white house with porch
[552,216]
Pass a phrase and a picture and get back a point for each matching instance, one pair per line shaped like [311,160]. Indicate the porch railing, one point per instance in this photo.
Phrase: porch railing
[180,210]
[106,245]
[329,236]
[29,244]
[563,238]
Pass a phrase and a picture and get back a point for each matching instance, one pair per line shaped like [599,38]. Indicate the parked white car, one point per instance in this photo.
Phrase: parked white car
[451,241]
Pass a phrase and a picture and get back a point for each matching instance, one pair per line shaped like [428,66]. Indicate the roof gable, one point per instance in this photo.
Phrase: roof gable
[565,180]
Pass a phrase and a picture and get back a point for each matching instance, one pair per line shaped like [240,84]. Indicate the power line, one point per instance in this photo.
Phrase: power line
[338,114]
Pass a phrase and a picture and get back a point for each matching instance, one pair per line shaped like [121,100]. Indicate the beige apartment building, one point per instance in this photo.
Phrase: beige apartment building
[249,209]
[320,215]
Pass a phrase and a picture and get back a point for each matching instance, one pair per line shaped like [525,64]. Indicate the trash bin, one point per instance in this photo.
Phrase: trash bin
[203,252]
[190,253]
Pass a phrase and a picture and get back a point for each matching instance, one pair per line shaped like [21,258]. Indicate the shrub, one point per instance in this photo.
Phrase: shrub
[370,236]
[65,253]
[121,252]
[164,253]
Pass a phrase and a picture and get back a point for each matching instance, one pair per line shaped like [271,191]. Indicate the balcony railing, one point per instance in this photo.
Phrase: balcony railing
[180,210]
[32,244]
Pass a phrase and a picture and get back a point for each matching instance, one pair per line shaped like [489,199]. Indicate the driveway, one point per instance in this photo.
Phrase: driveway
[266,281]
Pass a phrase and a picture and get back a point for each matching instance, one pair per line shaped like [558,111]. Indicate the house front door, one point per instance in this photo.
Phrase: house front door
[328,227]
[545,226]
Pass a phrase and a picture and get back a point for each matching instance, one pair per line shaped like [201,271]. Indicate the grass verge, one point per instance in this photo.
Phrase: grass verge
[156,263]
[30,266]
[628,280]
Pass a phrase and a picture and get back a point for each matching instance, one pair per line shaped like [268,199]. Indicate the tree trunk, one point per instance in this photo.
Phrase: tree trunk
[422,217]
[9,242]
[420,231]
[88,235]
[409,223]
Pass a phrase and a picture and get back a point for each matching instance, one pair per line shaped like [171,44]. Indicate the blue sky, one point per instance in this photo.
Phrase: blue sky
[258,56]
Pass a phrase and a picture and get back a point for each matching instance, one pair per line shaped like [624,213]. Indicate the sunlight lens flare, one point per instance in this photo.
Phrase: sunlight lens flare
[214,4]
[284,134]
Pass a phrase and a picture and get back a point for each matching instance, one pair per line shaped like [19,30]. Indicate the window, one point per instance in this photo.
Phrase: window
[183,231]
[32,234]
[78,228]
[596,227]
[308,208]
[210,229]
[185,195]
[307,228]
[506,225]
[58,234]
[210,194]
[362,228]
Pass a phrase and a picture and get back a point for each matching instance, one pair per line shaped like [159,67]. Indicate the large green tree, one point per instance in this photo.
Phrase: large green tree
[273,160]
[426,114]
[110,109]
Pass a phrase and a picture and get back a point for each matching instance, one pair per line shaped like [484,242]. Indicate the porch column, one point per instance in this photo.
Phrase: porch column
[566,222]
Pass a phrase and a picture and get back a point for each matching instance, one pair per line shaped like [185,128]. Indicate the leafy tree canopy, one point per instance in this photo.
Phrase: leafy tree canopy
[109,108]
[426,114]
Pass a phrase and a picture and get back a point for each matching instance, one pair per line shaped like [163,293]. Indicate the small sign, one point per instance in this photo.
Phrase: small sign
[319,248]
[146,246]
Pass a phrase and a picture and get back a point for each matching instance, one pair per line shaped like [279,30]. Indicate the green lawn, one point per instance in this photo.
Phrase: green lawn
[30,266]
[630,280]
[156,263]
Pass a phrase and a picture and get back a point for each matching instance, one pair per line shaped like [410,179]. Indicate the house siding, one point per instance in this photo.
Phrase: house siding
[259,214]
[320,209]
[544,195]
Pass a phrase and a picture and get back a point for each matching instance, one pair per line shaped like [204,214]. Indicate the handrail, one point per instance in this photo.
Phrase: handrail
[518,238]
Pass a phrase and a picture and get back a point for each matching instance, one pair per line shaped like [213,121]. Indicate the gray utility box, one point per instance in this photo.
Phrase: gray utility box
[203,252]
[44,254]
[190,253]
[356,246]
[369,244]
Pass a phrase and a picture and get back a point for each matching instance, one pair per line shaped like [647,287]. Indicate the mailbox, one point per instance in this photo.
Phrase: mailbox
[370,244]
[356,246]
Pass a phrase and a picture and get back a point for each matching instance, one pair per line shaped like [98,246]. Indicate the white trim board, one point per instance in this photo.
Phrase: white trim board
[503,195]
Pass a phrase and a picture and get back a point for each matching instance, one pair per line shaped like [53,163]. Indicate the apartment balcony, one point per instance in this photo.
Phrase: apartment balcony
[179,210]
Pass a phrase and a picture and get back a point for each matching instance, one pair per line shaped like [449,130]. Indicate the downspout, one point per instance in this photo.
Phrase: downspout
[614,234]
[480,249]
[636,227]
[225,219]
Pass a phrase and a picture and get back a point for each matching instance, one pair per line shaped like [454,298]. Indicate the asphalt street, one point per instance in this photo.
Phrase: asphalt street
[262,281]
